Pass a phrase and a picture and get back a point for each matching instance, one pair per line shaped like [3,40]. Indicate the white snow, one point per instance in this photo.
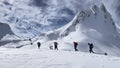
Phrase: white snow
[35,58]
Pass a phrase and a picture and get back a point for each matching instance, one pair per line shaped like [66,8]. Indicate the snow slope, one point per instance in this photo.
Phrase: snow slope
[94,25]
[35,58]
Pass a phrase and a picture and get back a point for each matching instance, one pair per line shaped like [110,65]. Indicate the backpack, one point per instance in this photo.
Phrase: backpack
[55,43]
[75,43]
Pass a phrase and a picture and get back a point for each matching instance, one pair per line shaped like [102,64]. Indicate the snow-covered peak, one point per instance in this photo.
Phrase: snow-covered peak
[95,18]
[93,25]
[6,35]
[4,30]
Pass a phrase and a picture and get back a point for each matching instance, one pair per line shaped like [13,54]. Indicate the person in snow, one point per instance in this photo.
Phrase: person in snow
[30,41]
[55,45]
[39,44]
[91,47]
[75,45]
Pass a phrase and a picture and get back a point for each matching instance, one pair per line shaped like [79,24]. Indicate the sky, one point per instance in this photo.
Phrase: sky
[72,7]
[33,17]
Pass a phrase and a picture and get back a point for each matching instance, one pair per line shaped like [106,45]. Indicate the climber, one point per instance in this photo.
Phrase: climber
[75,45]
[55,45]
[91,47]
[39,44]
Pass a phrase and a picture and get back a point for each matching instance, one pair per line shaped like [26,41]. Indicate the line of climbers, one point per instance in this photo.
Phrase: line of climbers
[91,46]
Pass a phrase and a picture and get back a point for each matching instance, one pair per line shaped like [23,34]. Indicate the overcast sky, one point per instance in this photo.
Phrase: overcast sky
[73,6]
[35,15]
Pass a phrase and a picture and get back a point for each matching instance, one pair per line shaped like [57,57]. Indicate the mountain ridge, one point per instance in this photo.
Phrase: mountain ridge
[94,25]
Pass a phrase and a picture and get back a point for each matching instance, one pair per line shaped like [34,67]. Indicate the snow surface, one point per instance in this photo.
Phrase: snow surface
[35,58]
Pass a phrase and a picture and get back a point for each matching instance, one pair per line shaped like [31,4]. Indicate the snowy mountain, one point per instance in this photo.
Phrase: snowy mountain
[28,17]
[7,36]
[94,25]
[4,30]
